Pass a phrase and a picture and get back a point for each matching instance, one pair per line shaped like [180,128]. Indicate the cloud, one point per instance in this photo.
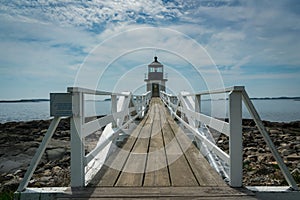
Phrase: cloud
[124,50]
[52,38]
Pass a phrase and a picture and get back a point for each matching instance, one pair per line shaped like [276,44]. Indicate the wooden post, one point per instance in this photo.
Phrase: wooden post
[77,141]
[197,108]
[235,139]
[114,110]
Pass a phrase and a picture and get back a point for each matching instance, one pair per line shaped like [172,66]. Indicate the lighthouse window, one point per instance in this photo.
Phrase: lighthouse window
[159,69]
[151,69]
[155,69]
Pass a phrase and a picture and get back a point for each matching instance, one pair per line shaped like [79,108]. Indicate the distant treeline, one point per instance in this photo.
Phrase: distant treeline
[23,100]
[271,98]
[254,98]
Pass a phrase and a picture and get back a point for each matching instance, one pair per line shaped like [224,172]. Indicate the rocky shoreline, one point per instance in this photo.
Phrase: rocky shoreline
[19,141]
[259,166]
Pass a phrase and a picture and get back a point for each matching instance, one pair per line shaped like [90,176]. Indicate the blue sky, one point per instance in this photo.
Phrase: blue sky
[47,46]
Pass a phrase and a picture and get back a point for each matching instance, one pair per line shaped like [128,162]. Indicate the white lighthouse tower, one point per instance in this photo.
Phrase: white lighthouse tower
[155,80]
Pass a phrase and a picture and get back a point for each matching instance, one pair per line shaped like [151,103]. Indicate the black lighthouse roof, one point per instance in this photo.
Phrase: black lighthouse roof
[155,60]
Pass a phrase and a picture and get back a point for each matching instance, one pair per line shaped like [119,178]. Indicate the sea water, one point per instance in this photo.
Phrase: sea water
[280,110]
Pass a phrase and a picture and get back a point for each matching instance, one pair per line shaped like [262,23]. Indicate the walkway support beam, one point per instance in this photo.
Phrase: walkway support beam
[285,171]
[39,153]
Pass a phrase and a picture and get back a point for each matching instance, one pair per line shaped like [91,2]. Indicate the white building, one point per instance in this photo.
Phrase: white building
[156,81]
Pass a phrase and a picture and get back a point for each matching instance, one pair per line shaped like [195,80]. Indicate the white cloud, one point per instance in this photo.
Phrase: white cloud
[133,47]
[51,38]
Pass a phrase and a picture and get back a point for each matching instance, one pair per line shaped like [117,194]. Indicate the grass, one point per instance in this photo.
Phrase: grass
[7,195]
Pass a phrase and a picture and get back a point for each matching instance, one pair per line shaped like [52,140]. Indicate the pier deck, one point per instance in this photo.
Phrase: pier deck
[157,160]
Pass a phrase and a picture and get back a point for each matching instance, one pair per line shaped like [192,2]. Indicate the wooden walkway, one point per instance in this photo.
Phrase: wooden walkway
[157,160]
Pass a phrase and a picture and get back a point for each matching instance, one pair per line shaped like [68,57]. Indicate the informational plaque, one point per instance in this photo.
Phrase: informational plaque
[60,104]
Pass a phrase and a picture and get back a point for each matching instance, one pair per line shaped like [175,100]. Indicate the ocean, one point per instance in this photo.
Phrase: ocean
[277,110]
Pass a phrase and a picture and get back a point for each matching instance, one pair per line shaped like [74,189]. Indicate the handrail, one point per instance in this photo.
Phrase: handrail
[82,166]
[190,110]
[90,91]
[71,104]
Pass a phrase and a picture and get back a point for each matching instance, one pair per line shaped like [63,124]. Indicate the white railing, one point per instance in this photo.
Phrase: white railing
[230,166]
[125,108]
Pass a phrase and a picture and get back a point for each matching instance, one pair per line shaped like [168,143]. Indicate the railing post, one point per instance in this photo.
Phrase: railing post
[141,104]
[114,110]
[197,108]
[235,139]
[77,141]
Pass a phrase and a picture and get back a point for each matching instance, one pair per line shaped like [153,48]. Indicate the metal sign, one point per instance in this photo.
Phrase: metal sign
[60,104]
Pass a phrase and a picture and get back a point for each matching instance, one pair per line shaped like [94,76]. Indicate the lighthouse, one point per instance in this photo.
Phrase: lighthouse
[155,80]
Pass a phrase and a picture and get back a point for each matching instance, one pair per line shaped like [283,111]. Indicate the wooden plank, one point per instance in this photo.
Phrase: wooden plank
[204,173]
[187,167]
[110,171]
[159,197]
[133,172]
[168,143]
[180,172]
[158,192]
[156,170]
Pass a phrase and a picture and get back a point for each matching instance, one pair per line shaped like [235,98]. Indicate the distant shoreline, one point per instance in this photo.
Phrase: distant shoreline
[46,100]
[24,101]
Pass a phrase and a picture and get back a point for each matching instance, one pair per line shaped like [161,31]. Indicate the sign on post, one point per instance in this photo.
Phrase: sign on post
[60,104]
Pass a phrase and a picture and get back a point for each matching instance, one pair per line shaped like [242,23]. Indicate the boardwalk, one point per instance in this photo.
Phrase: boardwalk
[157,160]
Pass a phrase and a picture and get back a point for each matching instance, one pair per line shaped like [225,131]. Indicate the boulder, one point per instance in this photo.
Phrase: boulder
[55,154]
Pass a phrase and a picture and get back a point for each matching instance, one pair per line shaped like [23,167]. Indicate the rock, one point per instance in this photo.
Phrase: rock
[43,132]
[45,178]
[293,157]
[251,149]
[10,185]
[251,173]
[275,132]
[47,172]
[286,152]
[31,151]
[261,158]
[9,176]
[56,169]
[55,154]
[261,150]
[295,124]
[10,165]
[264,170]
[252,158]
[18,171]
[296,172]
[258,180]
[284,145]
[297,147]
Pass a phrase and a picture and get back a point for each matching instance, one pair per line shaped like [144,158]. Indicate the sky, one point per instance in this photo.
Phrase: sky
[47,46]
